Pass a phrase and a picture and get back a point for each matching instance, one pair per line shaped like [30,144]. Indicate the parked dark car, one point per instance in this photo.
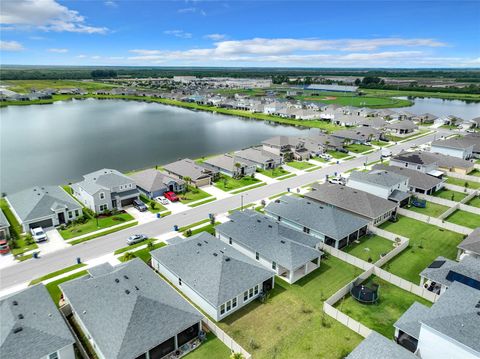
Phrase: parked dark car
[139,205]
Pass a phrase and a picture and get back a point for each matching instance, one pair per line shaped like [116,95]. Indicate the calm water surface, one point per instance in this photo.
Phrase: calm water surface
[439,107]
[55,144]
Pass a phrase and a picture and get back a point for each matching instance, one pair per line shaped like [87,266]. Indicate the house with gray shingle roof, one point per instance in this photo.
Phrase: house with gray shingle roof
[153,183]
[105,189]
[401,127]
[360,203]
[459,147]
[359,135]
[376,346]
[333,226]
[218,278]
[262,159]
[290,253]
[44,207]
[230,165]
[450,328]
[381,183]
[128,311]
[4,226]
[470,246]
[198,174]
[31,327]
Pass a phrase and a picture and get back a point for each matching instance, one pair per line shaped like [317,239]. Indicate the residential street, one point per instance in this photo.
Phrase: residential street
[25,271]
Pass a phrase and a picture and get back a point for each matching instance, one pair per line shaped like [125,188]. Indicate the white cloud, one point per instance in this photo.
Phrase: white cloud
[179,33]
[11,46]
[81,56]
[111,3]
[187,10]
[58,51]
[47,15]
[215,37]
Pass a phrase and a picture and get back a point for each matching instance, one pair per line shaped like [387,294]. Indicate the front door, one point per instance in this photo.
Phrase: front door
[61,218]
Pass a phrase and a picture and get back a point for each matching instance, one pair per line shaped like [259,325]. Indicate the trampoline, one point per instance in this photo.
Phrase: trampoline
[365,293]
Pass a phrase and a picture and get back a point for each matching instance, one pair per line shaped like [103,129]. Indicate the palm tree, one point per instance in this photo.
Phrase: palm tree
[237,166]
[187,180]
[236,356]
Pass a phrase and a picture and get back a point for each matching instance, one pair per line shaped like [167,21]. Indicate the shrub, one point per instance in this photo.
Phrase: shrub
[29,239]
[188,233]
[152,204]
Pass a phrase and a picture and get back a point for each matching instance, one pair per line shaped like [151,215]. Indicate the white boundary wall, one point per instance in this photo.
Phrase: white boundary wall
[225,338]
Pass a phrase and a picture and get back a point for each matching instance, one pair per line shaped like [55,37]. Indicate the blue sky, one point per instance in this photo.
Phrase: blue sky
[241,33]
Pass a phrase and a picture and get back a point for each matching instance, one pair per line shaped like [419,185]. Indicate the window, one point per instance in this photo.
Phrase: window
[234,302]
[229,306]
[306,230]
[102,195]
[256,289]
[179,281]
[257,256]
[53,356]
[250,293]
[103,207]
[279,218]
[245,296]
[70,214]
[222,309]
[230,241]
[76,213]
[274,265]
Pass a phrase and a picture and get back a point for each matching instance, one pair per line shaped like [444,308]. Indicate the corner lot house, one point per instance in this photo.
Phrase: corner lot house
[216,277]
[4,226]
[105,189]
[45,207]
[384,184]
[262,159]
[359,203]
[376,346]
[230,165]
[128,312]
[470,246]
[449,329]
[153,183]
[199,175]
[456,147]
[33,328]
[291,254]
[418,182]
[331,225]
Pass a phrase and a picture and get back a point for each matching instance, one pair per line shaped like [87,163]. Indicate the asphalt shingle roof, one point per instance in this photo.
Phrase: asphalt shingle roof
[378,177]
[128,317]
[3,220]
[152,180]
[417,178]
[213,269]
[259,233]
[352,200]
[188,168]
[38,202]
[468,266]
[43,330]
[456,143]
[376,346]
[329,221]
[472,242]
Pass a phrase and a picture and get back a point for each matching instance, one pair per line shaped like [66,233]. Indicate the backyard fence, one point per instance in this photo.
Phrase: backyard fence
[66,311]
[454,187]
[435,221]
[225,338]
[463,177]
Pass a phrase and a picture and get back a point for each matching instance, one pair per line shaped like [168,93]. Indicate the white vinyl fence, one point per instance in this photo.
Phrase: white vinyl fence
[225,338]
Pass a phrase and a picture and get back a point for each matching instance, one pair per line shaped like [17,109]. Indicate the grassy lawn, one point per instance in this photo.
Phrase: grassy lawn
[475,202]
[347,99]
[104,233]
[431,209]
[291,324]
[133,246]
[152,205]
[393,302]
[475,173]
[463,218]
[21,243]
[402,138]
[337,154]
[210,228]
[143,254]
[273,173]
[25,86]
[57,273]
[463,183]
[75,230]
[53,289]
[193,194]
[212,348]
[370,247]
[380,143]
[450,195]
[299,165]
[427,242]
[227,183]
[358,148]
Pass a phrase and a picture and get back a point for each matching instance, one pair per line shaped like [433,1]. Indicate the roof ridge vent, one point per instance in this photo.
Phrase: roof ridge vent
[127,291]
[15,302]
[17,330]
[215,254]
[125,276]
[20,316]
[227,259]
[117,280]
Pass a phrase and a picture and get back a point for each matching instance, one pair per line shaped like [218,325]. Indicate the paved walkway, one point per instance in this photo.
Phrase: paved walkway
[216,192]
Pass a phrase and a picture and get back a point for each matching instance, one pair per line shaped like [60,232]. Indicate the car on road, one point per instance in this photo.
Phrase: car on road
[4,248]
[171,196]
[138,204]
[162,200]
[39,234]
[136,238]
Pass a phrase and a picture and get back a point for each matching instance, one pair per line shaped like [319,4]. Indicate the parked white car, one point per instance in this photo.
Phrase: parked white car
[162,200]
[38,234]
[136,238]
[337,180]
[326,156]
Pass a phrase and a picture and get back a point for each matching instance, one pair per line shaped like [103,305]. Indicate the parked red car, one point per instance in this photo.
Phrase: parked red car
[4,248]
[171,196]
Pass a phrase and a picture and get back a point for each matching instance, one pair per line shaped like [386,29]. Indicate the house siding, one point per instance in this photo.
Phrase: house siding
[434,345]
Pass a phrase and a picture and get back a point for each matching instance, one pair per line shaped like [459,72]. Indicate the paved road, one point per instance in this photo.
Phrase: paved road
[25,271]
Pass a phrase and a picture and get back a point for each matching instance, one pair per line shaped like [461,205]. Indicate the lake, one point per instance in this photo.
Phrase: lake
[439,107]
[58,143]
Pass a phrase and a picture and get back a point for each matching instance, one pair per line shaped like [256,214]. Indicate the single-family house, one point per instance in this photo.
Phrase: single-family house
[199,175]
[381,183]
[287,146]
[4,226]
[216,277]
[425,118]
[45,207]
[328,142]
[474,138]
[32,327]
[376,346]
[262,159]
[153,183]
[331,225]
[442,272]
[418,161]
[347,120]
[374,209]
[450,328]
[470,246]
[475,122]
[456,147]
[105,190]
[359,135]
[374,122]
[230,165]
[128,311]
[451,164]
[401,127]
[419,182]
[290,253]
